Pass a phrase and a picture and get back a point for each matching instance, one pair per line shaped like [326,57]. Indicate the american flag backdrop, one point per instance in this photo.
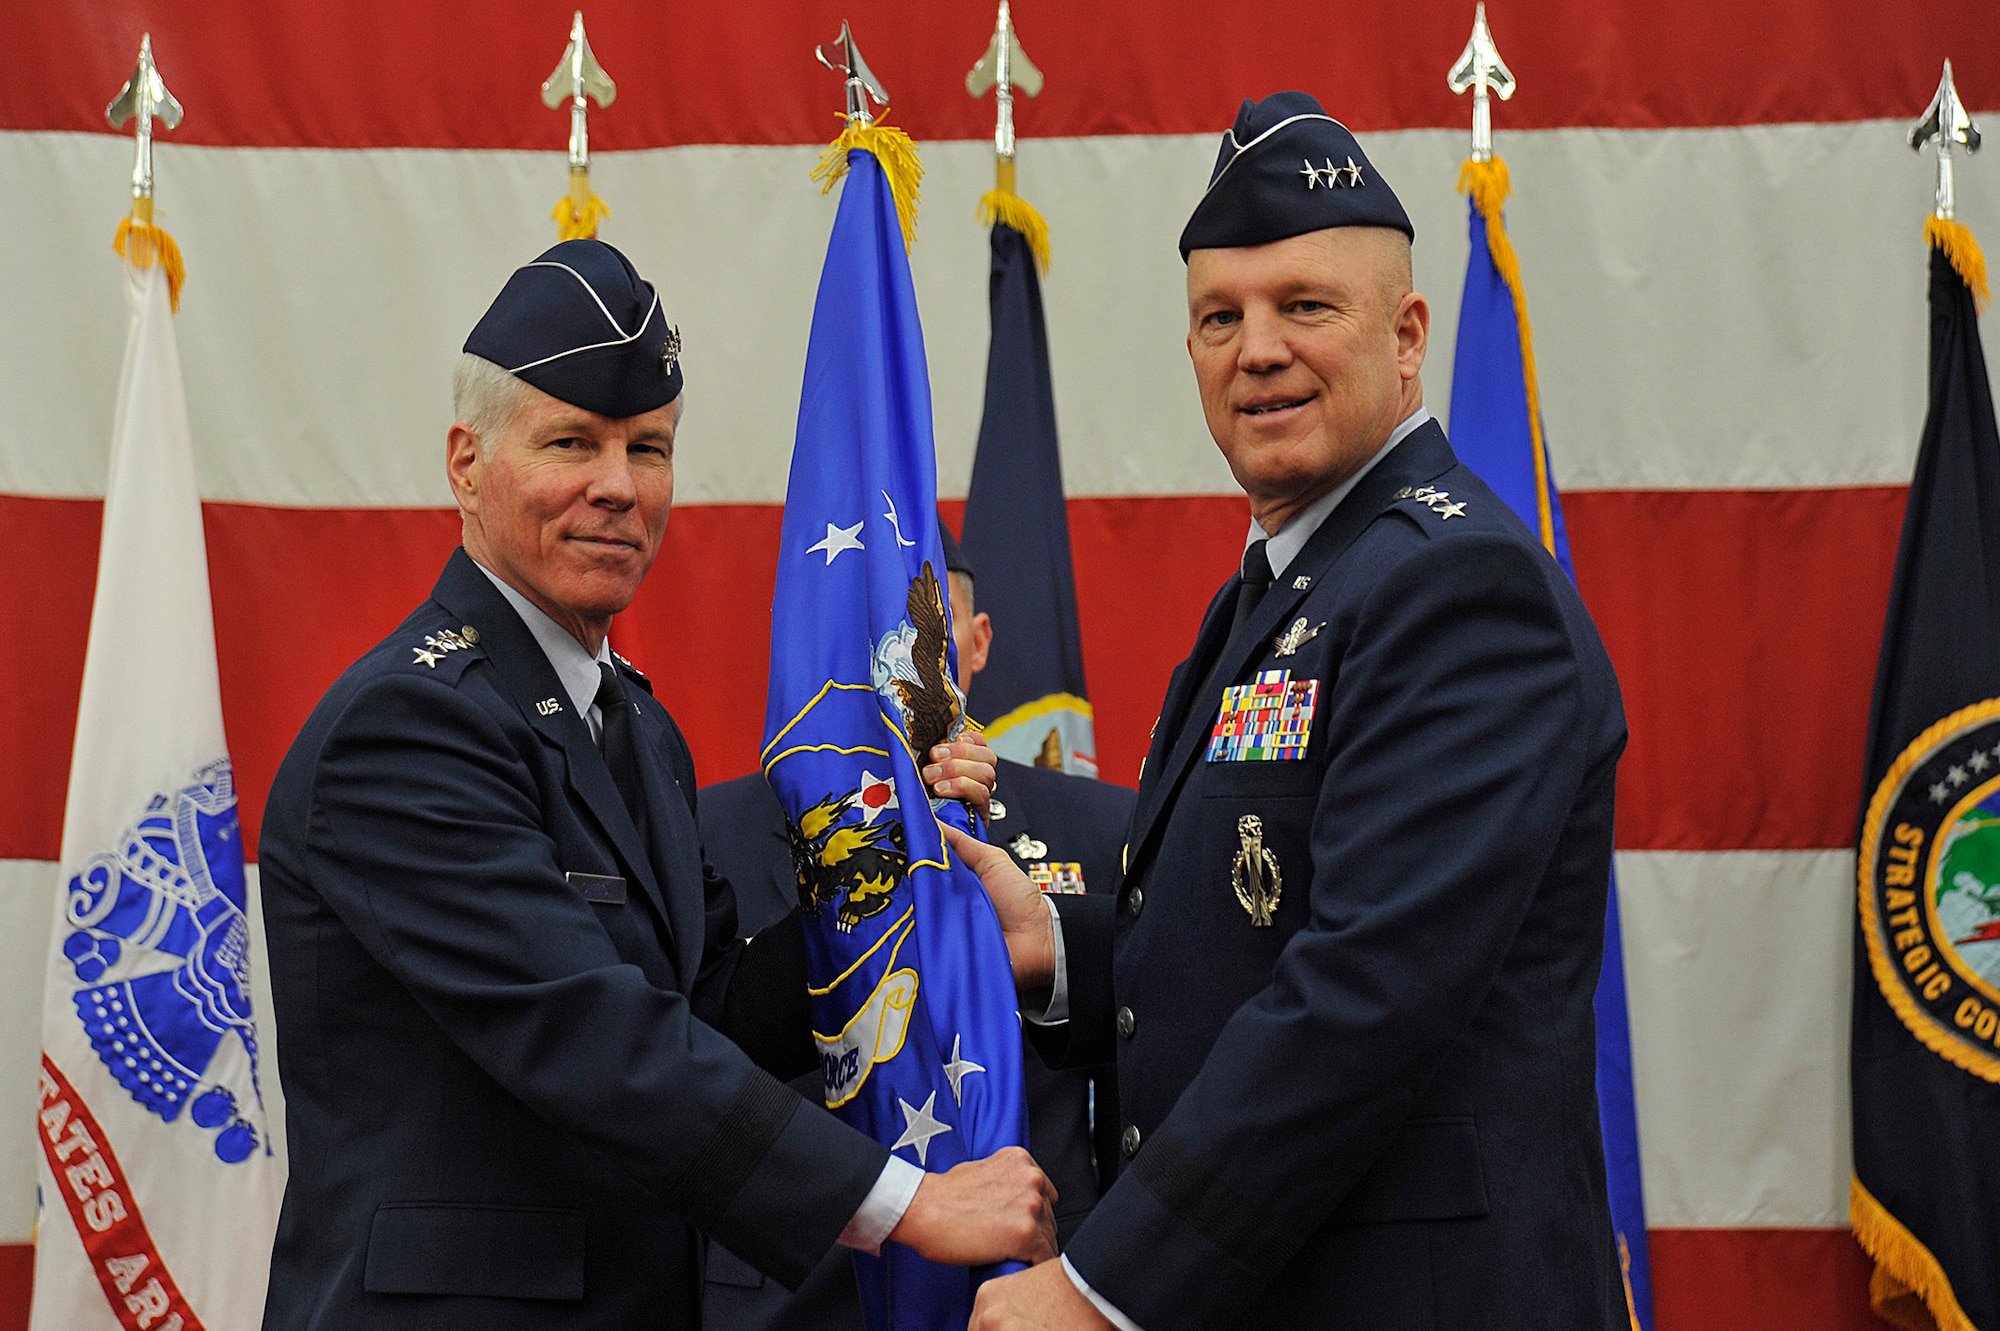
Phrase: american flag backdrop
[1719,224]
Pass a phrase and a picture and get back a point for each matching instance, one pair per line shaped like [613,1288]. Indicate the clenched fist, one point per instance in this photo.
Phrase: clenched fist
[1002,1208]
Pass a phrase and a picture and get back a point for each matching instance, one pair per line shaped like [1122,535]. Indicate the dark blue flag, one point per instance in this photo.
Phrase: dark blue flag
[1925,1198]
[912,995]
[1031,695]
[1496,429]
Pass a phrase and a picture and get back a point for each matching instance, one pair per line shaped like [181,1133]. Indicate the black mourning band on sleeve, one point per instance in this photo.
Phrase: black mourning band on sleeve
[744,1137]
[1211,1206]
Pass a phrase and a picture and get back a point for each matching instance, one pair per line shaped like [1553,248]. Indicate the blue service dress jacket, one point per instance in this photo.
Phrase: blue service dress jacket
[1067,821]
[1379,1111]
[505,1011]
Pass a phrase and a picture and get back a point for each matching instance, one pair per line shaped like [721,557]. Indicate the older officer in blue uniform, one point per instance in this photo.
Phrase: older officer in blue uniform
[520,1041]
[1068,832]
[1348,974]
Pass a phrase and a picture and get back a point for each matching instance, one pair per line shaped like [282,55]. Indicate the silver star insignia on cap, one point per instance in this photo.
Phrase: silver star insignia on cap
[671,354]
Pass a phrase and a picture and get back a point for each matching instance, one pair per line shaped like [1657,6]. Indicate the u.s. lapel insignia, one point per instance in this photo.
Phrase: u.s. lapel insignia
[1254,873]
[437,646]
[1295,637]
[1026,847]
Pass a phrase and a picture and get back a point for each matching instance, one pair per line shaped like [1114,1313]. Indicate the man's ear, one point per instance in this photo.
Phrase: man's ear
[462,467]
[981,645]
[1413,334]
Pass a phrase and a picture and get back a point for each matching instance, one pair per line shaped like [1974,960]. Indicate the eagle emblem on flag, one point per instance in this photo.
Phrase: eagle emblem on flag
[159,942]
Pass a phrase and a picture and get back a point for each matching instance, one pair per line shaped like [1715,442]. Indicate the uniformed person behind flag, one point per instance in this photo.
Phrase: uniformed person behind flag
[1347,977]
[1067,832]
[524,1054]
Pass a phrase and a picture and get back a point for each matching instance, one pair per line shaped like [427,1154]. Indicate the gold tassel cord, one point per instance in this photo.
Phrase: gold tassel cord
[578,220]
[143,245]
[1488,185]
[1909,1288]
[1005,206]
[900,164]
[1955,240]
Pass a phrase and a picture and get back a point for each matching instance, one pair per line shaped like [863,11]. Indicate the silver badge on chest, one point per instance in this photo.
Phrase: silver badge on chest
[1254,874]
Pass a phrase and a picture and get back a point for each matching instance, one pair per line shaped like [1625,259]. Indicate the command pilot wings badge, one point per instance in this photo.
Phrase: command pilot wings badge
[1295,637]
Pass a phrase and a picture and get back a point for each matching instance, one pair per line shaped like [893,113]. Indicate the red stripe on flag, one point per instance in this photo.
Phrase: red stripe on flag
[1759,1280]
[140,1290]
[379,73]
[1744,626]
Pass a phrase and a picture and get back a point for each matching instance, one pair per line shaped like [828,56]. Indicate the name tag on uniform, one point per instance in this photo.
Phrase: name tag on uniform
[1268,719]
[604,889]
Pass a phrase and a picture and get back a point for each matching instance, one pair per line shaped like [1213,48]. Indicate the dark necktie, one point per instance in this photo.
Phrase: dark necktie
[1250,589]
[616,740]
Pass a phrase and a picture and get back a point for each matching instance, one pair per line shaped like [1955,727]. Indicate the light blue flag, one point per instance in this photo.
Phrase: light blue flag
[912,995]
[1496,430]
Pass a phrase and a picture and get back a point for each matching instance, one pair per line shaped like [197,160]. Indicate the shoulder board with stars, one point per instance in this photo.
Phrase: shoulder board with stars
[638,675]
[1438,501]
[441,645]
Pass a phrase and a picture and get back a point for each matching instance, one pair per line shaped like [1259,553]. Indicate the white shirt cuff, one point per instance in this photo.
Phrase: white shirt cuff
[1098,1301]
[1057,1012]
[882,1209]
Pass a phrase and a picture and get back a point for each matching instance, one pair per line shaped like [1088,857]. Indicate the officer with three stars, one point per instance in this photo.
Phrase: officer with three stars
[527,1061]
[1348,974]
[1067,833]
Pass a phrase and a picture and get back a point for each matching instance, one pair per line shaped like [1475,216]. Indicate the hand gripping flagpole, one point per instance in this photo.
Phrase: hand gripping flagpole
[1006,69]
[144,99]
[1946,122]
[578,77]
[891,146]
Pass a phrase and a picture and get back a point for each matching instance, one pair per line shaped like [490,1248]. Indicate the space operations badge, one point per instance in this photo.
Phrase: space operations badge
[1929,873]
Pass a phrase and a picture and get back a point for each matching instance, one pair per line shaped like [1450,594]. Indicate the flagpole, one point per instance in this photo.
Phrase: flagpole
[1006,69]
[577,78]
[1946,122]
[145,99]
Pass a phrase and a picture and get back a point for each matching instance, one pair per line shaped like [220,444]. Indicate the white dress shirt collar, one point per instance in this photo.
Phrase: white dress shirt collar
[1285,546]
[576,669]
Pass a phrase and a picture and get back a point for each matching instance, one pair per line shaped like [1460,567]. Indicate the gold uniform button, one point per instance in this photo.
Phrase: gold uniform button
[470,634]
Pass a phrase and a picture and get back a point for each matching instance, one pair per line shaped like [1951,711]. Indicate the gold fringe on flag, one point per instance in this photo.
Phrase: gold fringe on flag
[900,163]
[1955,239]
[1005,206]
[1909,1288]
[574,222]
[144,245]
[1488,185]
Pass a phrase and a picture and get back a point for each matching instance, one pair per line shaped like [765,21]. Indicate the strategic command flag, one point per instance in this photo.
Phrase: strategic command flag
[1925,1198]
[159,1188]
[912,996]
[1496,429]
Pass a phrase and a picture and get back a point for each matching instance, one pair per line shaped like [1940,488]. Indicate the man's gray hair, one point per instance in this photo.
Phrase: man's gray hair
[484,397]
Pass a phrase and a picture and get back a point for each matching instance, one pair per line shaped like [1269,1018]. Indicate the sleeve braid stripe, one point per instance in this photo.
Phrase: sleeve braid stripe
[739,1143]
[1211,1206]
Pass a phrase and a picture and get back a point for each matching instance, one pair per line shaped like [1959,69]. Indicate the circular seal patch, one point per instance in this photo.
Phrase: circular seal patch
[1929,874]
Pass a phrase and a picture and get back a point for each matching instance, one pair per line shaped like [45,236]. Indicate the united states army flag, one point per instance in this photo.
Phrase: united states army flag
[159,1185]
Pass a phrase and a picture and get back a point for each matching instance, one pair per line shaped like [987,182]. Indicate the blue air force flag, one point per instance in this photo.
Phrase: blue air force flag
[159,1186]
[912,995]
[1496,429]
[1031,695]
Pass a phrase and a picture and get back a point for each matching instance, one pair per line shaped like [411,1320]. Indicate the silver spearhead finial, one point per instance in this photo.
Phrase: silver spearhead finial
[862,85]
[1945,122]
[144,98]
[578,76]
[1481,69]
[1004,67]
